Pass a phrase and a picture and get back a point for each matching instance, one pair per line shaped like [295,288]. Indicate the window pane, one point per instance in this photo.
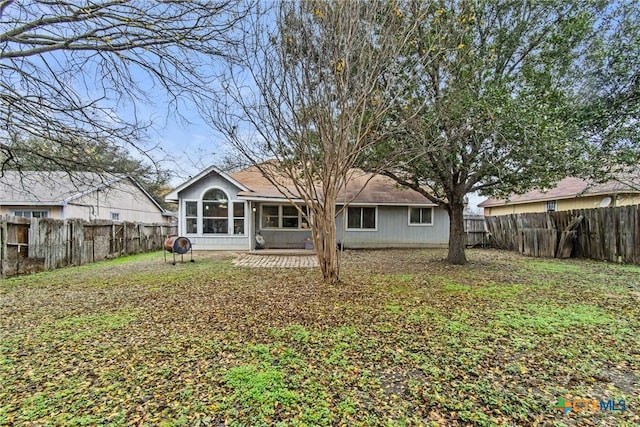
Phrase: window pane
[368,218]
[426,215]
[353,218]
[290,222]
[238,226]
[414,216]
[289,211]
[215,226]
[192,225]
[269,221]
[551,205]
[238,209]
[270,210]
[191,208]
[269,216]
[214,194]
[214,209]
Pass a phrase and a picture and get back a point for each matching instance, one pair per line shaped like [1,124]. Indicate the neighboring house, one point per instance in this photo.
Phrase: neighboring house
[83,195]
[226,211]
[570,193]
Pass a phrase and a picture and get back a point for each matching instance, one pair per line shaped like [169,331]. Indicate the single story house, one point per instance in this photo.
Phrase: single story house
[84,195]
[570,193]
[226,211]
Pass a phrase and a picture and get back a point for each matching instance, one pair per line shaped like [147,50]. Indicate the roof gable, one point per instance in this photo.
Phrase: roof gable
[173,195]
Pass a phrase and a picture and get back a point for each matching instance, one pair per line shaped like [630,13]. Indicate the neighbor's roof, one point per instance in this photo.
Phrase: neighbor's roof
[378,189]
[569,188]
[55,187]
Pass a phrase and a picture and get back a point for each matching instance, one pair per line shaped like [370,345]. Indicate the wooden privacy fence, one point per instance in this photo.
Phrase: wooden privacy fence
[45,244]
[475,230]
[610,234]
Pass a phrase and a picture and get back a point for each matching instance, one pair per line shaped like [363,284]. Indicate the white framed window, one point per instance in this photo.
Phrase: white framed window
[31,214]
[215,212]
[282,216]
[115,216]
[238,217]
[552,206]
[191,216]
[362,218]
[420,216]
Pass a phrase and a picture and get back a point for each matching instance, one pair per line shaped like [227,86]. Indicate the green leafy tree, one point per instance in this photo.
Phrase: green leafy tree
[611,94]
[500,110]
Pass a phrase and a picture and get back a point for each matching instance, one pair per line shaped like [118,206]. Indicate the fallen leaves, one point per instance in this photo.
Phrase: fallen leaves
[405,339]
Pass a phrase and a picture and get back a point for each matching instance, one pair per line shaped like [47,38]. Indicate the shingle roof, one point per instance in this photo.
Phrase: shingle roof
[378,189]
[55,187]
[568,188]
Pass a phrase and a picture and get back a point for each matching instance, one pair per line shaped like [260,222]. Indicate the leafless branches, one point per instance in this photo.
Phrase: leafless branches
[67,66]
[318,81]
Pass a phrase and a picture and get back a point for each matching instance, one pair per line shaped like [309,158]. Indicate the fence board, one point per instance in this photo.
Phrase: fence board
[45,243]
[476,230]
[611,234]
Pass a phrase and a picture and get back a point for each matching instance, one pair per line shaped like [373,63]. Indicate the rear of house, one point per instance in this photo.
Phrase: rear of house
[218,211]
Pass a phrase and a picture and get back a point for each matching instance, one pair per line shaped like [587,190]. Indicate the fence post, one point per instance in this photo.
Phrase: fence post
[4,256]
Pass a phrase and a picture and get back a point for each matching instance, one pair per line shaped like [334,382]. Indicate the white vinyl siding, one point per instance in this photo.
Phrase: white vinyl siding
[394,231]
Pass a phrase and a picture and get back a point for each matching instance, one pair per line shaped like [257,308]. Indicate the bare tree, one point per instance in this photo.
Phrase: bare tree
[66,66]
[318,80]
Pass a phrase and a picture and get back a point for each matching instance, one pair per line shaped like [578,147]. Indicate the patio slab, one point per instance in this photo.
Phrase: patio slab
[277,259]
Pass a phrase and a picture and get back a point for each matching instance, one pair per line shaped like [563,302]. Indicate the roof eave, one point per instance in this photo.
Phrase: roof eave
[546,199]
[32,203]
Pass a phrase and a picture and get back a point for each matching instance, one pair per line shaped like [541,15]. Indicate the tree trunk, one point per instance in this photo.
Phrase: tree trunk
[325,242]
[457,237]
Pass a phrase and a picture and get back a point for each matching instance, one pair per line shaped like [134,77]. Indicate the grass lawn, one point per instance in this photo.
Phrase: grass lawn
[405,340]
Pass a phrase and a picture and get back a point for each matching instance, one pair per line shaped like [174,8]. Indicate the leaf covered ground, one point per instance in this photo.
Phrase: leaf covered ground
[404,340]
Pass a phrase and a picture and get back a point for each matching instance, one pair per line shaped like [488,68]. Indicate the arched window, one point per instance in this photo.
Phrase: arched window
[215,212]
